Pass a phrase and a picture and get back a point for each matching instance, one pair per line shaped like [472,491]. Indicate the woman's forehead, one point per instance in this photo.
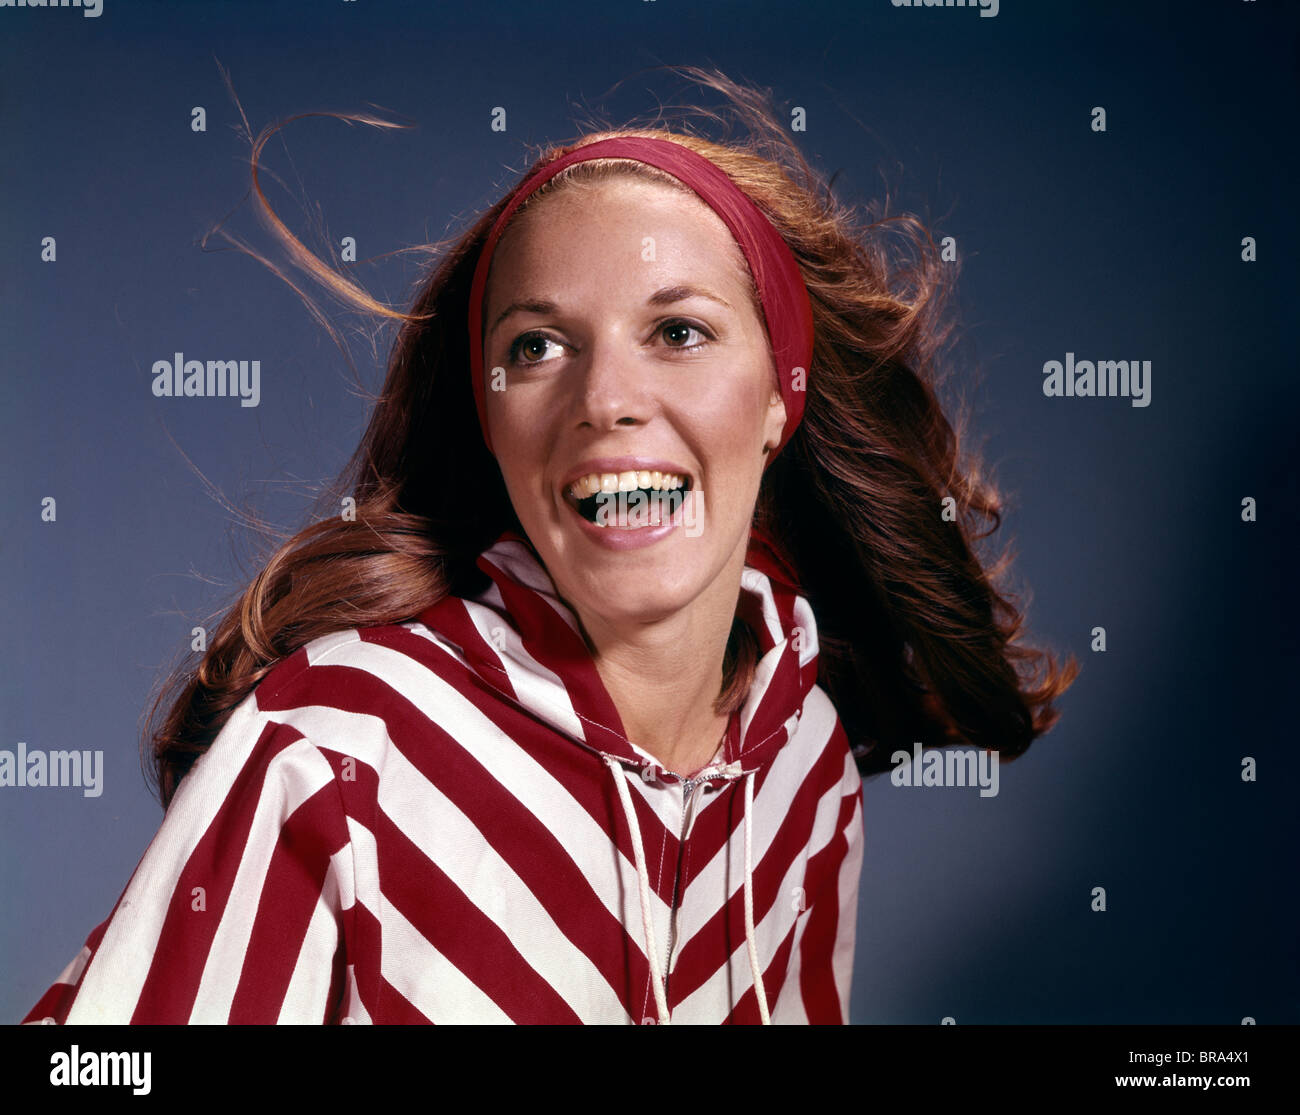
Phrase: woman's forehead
[619,222]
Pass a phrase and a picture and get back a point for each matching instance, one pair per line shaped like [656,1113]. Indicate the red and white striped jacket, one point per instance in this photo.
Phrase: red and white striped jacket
[443,821]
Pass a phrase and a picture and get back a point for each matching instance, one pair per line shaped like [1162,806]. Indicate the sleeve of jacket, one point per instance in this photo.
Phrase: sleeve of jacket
[236,911]
[829,936]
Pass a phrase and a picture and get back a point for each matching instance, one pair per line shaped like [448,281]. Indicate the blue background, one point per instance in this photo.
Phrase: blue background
[1123,244]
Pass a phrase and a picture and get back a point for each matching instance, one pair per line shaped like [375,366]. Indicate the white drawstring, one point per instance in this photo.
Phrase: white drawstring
[643,882]
[643,879]
[759,989]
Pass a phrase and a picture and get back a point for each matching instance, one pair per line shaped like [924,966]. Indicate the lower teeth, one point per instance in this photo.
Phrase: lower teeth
[630,510]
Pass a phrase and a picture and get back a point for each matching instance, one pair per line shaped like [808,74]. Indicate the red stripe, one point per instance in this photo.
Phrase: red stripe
[282,673]
[55,1003]
[450,618]
[365,948]
[467,937]
[553,643]
[769,719]
[821,998]
[398,1010]
[338,981]
[745,1012]
[750,609]
[290,894]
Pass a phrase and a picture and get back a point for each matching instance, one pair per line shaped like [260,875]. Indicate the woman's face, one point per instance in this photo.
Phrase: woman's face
[622,316]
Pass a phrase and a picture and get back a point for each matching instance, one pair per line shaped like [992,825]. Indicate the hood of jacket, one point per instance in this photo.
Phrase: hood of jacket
[528,645]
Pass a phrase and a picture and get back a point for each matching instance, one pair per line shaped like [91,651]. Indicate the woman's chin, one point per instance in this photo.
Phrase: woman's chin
[632,578]
[639,599]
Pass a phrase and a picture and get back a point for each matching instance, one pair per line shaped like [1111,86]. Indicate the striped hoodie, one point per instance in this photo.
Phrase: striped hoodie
[443,821]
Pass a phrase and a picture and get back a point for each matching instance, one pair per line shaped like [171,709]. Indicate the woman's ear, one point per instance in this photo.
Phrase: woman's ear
[774,424]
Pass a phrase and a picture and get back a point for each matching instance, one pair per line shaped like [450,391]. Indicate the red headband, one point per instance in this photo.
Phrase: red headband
[780,286]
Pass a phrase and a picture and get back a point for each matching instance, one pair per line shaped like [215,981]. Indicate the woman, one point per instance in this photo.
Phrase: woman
[535,733]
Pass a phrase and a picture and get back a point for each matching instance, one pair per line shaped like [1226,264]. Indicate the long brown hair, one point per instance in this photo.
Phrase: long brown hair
[869,498]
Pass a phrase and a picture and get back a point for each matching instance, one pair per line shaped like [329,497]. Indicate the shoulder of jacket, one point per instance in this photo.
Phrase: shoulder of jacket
[354,694]
[819,702]
[370,650]
[819,721]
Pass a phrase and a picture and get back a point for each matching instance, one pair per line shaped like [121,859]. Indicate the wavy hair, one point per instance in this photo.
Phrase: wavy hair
[869,499]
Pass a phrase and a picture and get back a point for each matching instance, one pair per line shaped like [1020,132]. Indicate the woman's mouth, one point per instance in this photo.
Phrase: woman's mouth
[629,500]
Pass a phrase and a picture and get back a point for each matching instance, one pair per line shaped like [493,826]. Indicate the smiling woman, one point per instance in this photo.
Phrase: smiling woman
[632,267]
[582,740]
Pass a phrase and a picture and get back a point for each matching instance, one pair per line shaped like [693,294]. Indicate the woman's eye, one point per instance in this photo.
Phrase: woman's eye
[678,333]
[530,348]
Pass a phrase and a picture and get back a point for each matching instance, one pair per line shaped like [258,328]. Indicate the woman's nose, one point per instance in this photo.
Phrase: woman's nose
[613,389]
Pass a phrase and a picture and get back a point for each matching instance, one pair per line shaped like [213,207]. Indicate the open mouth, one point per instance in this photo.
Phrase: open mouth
[629,507]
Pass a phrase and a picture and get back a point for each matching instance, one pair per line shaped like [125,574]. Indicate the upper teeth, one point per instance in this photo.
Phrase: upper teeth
[625,482]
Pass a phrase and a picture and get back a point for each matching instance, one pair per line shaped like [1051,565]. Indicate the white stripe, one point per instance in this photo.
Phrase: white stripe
[327,645]
[666,801]
[306,999]
[789,1009]
[803,617]
[850,876]
[354,1010]
[536,686]
[365,868]
[757,583]
[427,979]
[515,560]
[73,971]
[365,896]
[757,696]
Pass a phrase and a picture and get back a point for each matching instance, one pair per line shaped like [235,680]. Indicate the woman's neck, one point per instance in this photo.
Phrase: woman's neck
[664,677]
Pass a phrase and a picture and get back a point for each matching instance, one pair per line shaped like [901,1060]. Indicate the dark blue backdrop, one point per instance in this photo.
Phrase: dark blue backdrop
[1113,245]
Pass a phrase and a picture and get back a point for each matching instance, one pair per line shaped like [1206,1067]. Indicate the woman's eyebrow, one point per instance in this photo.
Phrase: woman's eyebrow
[665,296]
[669,294]
[528,305]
